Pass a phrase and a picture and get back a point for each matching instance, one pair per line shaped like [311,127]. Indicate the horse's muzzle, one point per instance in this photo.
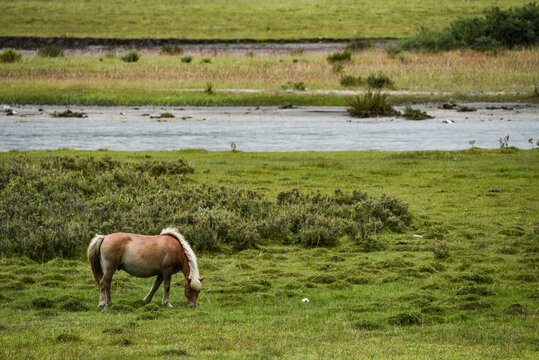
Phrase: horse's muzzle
[192,305]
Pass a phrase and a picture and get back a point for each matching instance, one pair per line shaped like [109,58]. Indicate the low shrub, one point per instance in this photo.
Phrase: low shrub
[131,56]
[415,114]
[358,45]
[371,105]
[171,50]
[379,81]
[10,56]
[50,51]
[186,59]
[339,56]
[208,89]
[53,206]
[350,81]
[337,67]
[205,61]
[299,85]
[392,49]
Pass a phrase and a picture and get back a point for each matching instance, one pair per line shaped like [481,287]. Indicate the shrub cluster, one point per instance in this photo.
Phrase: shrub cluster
[131,56]
[371,105]
[290,85]
[379,81]
[346,55]
[171,50]
[10,56]
[350,81]
[50,51]
[518,26]
[52,206]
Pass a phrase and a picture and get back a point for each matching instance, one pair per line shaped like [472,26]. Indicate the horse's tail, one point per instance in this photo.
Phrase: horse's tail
[94,257]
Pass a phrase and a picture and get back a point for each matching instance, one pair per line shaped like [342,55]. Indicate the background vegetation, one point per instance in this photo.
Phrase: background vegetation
[167,80]
[459,282]
[205,19]
[142,195]
[518,26]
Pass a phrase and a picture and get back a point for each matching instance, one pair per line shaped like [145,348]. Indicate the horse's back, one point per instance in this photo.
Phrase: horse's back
[141,255]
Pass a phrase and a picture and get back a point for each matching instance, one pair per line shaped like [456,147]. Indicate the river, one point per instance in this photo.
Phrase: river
[264,129]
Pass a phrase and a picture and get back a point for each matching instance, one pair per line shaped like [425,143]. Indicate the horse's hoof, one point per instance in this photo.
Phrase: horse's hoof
[103,307]
[167,305]
[146,300]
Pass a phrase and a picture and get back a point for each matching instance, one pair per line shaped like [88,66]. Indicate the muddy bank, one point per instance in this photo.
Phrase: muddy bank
[264,128]
[35,42]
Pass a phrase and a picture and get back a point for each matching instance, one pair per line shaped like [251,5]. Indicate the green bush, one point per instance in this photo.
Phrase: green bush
[131,56]
[171,50]
[50,51]
[379,81]
[350,81]
[518,26]
[10,56]
[392,49]
[186,59]
[415,114]
[52,206]
[371,105]
[339,56]
[299,85]
[358,45]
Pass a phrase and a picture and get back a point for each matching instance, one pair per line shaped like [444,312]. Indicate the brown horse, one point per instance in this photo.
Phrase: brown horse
[145,256]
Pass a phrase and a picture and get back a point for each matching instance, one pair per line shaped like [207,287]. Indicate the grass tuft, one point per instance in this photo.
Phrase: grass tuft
[131,56]
[51,51]
[339,57]
[371,105]
[10,56]
[415,114]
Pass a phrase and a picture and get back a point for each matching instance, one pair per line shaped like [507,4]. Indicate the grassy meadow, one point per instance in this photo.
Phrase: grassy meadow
[459,281]
[166,80]
[225,19]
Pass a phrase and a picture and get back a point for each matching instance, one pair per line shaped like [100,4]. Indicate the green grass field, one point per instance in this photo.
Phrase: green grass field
[225,19]
[466,289]
[163,79]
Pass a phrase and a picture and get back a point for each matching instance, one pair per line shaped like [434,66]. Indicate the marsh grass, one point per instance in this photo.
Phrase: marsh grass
[161,79]
[476,303]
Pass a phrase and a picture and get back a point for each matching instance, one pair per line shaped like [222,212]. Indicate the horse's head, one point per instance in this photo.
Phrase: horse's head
[192,289]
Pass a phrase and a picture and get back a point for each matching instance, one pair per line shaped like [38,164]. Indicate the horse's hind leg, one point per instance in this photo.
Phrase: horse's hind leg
[104,287]
[166,286]
[156,284]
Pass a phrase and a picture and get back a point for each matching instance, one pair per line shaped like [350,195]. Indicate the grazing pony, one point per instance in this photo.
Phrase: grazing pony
[144,256]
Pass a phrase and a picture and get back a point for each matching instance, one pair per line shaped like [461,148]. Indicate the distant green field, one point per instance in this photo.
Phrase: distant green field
[459,283]
[230,19]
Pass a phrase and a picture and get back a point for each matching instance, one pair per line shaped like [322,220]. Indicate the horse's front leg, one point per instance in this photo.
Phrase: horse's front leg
[156,284]
[166,286]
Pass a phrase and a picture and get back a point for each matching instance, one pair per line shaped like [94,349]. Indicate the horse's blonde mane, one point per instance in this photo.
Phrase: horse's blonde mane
[191,257]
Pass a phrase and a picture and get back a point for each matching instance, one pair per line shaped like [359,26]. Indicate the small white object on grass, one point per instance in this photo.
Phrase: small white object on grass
[305,300]
[418,236]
